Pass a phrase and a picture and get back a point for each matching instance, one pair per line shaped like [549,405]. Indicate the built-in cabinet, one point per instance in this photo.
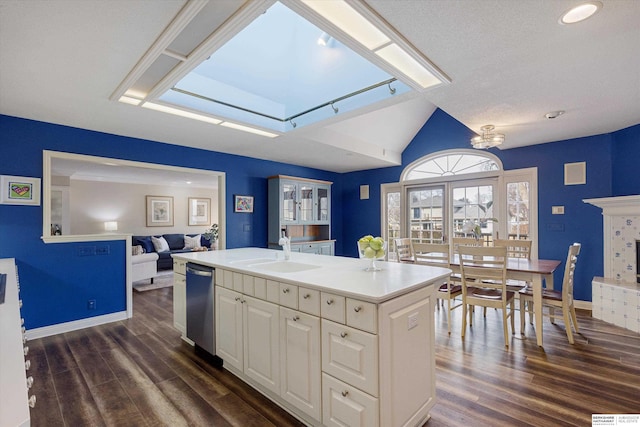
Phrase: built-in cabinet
[330,359]
[302,209]
[180,296]
[15,378]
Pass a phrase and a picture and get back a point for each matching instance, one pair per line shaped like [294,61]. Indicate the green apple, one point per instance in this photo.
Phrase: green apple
[380,253]
[369,253]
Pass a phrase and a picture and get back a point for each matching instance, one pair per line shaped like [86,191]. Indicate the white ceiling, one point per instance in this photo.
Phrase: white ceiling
[509,61]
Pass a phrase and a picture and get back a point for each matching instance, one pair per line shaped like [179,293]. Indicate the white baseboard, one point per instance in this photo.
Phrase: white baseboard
[61,328]
[582,305]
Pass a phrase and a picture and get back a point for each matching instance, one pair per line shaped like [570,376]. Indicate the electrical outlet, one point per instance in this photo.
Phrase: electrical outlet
[91,304]
[102,250]
[412,321]
[557,210]
[86,250]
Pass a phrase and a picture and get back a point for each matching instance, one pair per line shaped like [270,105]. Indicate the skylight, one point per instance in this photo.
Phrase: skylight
[269,67]
[275,74]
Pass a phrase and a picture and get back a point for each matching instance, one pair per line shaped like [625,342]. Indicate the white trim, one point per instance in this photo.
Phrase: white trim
[61,328]
[460,151]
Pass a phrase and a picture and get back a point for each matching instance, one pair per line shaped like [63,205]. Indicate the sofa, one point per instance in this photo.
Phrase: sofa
[167,244]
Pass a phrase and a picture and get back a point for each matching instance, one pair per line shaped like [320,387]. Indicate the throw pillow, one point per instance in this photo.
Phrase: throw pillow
[191,242]
[146,243]
[137,250]
[160,244]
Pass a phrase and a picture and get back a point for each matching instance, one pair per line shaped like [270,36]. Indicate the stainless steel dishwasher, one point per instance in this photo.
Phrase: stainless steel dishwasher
[200,307]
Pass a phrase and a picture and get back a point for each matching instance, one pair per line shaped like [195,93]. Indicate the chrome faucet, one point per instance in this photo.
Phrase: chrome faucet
[286,245]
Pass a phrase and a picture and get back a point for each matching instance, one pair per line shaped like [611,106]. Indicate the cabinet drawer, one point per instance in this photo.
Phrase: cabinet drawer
[289,295]
[219,277]
[260,288]
[351,355]
[344,405]
[227,279]
[332,307]
[362,315]
[247,284]
[309,301]
[180,266]
[273,291]
[238,282]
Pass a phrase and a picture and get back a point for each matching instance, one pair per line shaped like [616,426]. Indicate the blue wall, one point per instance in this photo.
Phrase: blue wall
[57,282]
[581,222]
[626,160]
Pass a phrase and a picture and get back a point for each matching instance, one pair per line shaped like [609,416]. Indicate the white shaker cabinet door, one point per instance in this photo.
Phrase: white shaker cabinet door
[300,361]
[262,342]
[229,327]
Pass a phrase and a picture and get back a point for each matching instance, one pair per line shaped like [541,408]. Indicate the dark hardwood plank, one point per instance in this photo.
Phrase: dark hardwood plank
[140,372]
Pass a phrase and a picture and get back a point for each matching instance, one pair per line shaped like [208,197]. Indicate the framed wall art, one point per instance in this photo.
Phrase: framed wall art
[159,211]
[199,211]
[243,204]
[20,190]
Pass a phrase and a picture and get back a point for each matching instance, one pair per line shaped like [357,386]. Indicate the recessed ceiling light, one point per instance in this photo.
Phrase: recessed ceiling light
[580,13]
[554,114]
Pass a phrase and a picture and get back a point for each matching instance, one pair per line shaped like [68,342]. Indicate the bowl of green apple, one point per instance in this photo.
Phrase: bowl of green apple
[372,249]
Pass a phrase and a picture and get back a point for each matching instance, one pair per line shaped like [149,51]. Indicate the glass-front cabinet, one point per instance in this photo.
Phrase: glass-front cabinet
[302,209]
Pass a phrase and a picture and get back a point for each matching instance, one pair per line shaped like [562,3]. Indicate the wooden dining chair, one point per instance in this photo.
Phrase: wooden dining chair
[484,283]
[403,249]
[437,255]
[556,299]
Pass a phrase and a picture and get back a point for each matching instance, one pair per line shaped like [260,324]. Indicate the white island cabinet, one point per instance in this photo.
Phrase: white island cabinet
[331,343]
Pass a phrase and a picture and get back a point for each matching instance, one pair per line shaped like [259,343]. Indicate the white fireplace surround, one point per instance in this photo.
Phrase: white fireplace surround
[621,230]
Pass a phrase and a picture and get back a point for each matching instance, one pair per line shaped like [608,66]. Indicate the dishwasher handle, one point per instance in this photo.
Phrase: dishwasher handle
[199,272]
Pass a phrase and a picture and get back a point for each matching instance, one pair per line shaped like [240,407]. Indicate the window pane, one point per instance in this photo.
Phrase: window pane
[474,205]
[393,222]
[426,207]
[451,164]
[518,210]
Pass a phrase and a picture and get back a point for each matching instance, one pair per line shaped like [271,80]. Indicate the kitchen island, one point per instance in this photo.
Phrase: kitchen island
[331,343]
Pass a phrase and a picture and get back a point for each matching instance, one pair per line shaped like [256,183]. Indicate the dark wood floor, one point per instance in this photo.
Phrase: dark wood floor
[138,372]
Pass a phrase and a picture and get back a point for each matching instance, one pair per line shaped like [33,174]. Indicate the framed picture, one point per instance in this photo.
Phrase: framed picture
[159,211]
[243,203]
[20,190]
[199,211]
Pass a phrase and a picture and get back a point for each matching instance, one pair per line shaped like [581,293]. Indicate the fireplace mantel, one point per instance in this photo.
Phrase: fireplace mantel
[622,205]
[621,229]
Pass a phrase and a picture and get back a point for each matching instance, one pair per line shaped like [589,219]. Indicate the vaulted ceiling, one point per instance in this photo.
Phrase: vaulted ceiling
[510,63]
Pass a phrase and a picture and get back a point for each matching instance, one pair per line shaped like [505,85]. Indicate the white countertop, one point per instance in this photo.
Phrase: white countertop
[340,275]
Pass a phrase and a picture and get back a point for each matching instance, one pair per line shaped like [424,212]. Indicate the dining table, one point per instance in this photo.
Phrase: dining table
[534,271]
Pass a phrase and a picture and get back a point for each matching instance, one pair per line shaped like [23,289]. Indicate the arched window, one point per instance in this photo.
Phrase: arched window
[449,163]
[440,195]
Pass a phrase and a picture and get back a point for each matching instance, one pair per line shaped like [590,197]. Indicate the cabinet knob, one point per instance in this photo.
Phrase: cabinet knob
[26,350]
[306,296]
[357,309]
[345,393]
[32,401]
[238,299]
[343,334]
[285,291]
[27,364]
[29,382]
[296,318]
[329,301]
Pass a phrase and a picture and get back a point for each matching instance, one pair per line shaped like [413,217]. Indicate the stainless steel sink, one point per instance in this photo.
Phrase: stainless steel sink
[251,261]
[283,266]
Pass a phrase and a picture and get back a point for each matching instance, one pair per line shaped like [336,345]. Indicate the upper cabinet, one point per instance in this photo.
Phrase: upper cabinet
[302,202]
[301,207]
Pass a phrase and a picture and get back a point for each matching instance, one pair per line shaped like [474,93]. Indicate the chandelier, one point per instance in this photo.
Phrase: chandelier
[488,139]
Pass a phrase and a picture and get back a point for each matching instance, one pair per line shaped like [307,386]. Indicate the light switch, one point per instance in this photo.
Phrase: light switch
[557,210]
